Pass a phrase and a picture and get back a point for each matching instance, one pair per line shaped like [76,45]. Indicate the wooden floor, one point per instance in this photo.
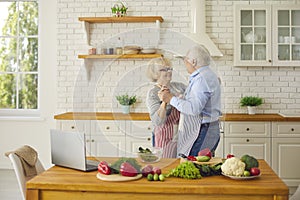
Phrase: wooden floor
[9,189]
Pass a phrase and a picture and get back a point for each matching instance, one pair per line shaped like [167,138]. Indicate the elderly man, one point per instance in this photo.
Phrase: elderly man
[201,106]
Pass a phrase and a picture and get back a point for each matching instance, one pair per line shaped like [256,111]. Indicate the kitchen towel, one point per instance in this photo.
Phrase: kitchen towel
[28,157]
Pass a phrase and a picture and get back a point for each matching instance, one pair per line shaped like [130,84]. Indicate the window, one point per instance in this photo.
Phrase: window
[19,72]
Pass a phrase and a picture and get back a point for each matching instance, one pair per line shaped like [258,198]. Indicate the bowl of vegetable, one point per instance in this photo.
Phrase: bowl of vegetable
[150,155]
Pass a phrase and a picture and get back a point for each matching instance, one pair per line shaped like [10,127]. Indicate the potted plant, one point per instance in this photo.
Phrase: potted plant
[119,10]
[251,102]
[126,101]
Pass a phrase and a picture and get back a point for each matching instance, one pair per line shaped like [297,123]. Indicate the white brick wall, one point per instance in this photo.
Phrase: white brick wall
[279,86]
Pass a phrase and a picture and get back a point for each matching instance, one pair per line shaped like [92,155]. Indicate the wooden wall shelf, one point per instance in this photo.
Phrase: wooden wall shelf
[129,19]
[127,56]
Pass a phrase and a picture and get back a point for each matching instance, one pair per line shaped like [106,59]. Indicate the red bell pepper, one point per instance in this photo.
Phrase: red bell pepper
[127,169]
[192,158]
[104,168]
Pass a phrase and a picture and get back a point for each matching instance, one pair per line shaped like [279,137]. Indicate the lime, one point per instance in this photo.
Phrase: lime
[155,177]
[246,173]
[150,177]
[161,177]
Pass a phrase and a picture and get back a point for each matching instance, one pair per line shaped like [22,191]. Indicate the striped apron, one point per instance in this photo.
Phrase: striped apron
[165,135]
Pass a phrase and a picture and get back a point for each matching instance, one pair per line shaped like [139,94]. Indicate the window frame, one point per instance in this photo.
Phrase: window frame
[21,112]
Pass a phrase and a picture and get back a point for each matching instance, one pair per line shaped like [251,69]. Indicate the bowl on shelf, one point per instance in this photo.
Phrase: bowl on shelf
[154,155]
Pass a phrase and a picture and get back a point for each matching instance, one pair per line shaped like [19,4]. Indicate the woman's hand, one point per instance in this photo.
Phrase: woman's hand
[165,96]
[162,89]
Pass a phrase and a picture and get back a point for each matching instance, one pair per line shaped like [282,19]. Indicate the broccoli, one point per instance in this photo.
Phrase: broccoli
[250,161]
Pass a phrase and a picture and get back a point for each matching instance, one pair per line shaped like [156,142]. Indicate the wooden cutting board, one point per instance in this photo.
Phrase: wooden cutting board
[212,161]
[117,177]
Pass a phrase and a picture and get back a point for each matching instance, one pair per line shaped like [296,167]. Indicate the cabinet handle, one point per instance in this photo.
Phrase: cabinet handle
[72,127]
[148,139]
[247,129]
[107,128]
[149,128]
[270,61]
[87,140]
[292,129]
[247,140]
[93,140]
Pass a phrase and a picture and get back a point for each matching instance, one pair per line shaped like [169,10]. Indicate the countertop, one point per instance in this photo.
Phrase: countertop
[145,116]
[58,183]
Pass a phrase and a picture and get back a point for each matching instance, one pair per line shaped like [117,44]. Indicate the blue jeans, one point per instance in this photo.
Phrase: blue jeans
[209,137]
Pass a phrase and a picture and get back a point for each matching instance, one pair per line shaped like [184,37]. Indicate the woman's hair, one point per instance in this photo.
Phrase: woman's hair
[198,56]
[155,65]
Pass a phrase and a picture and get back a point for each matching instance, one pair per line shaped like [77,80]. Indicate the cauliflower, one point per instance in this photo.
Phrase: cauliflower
[233,167]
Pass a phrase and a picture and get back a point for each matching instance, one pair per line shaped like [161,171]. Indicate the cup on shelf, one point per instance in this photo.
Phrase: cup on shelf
[293,39]
[281,39]
[287,39]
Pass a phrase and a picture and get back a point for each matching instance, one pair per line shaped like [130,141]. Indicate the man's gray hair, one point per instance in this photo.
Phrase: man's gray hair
[198,56]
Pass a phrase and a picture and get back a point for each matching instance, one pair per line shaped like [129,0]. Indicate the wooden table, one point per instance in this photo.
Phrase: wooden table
[62,183]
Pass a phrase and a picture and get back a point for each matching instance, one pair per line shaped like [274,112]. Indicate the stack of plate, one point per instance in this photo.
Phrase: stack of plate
[148,50]
[131,50]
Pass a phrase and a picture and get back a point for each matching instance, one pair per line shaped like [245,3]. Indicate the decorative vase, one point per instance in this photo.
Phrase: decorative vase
[125,109]
[251,110]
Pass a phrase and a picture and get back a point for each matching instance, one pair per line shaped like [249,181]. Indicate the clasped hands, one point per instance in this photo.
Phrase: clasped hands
[165,95]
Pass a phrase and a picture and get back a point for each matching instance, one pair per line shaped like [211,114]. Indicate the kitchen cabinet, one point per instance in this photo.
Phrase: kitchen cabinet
[285,151]
[253,138]
[286,40]
[107,138]
[113,138]
[139,134]
[266,35]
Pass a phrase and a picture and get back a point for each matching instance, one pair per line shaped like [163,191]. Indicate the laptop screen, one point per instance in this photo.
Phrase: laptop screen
[68,149]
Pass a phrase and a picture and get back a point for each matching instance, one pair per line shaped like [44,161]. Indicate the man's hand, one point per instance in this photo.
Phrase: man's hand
[165,96]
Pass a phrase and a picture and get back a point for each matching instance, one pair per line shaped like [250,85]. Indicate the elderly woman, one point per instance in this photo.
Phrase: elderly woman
[164,117]
[201,106]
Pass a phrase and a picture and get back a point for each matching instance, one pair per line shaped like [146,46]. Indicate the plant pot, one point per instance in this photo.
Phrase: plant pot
[251,110]
[125,109]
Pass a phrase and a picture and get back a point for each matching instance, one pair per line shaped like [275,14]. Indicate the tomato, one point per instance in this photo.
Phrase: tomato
[156,170]
[229,156]
[254,171]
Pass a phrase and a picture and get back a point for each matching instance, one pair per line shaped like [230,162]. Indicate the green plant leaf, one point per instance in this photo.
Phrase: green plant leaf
[251,101]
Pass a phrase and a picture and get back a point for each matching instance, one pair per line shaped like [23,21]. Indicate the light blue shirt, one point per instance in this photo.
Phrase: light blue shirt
[202,96]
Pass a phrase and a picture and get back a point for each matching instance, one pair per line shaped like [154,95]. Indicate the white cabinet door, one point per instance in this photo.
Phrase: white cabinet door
[286,129]
[286,35]
[257,147]
[252,38]
[107,138]
[74,125]
[139,134]
[220,151]
[107,146]
[247,129]
[285,159]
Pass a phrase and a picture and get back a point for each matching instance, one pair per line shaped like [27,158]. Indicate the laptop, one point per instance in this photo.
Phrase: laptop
[68,149]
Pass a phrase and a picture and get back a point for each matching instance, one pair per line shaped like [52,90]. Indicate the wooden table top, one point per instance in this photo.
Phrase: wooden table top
[146,117]
[59,178]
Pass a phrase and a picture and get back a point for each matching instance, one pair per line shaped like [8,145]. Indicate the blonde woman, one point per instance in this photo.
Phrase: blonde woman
[164,117]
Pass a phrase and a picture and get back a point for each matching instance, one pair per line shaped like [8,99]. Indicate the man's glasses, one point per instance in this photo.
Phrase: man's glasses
[169,69]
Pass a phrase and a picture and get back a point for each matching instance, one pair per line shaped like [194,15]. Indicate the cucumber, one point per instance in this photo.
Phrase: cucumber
[203,158]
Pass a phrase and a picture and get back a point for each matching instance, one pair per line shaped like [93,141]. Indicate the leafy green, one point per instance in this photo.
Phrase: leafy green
[185,170]
[250,101]
[125,99]
[209,170]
